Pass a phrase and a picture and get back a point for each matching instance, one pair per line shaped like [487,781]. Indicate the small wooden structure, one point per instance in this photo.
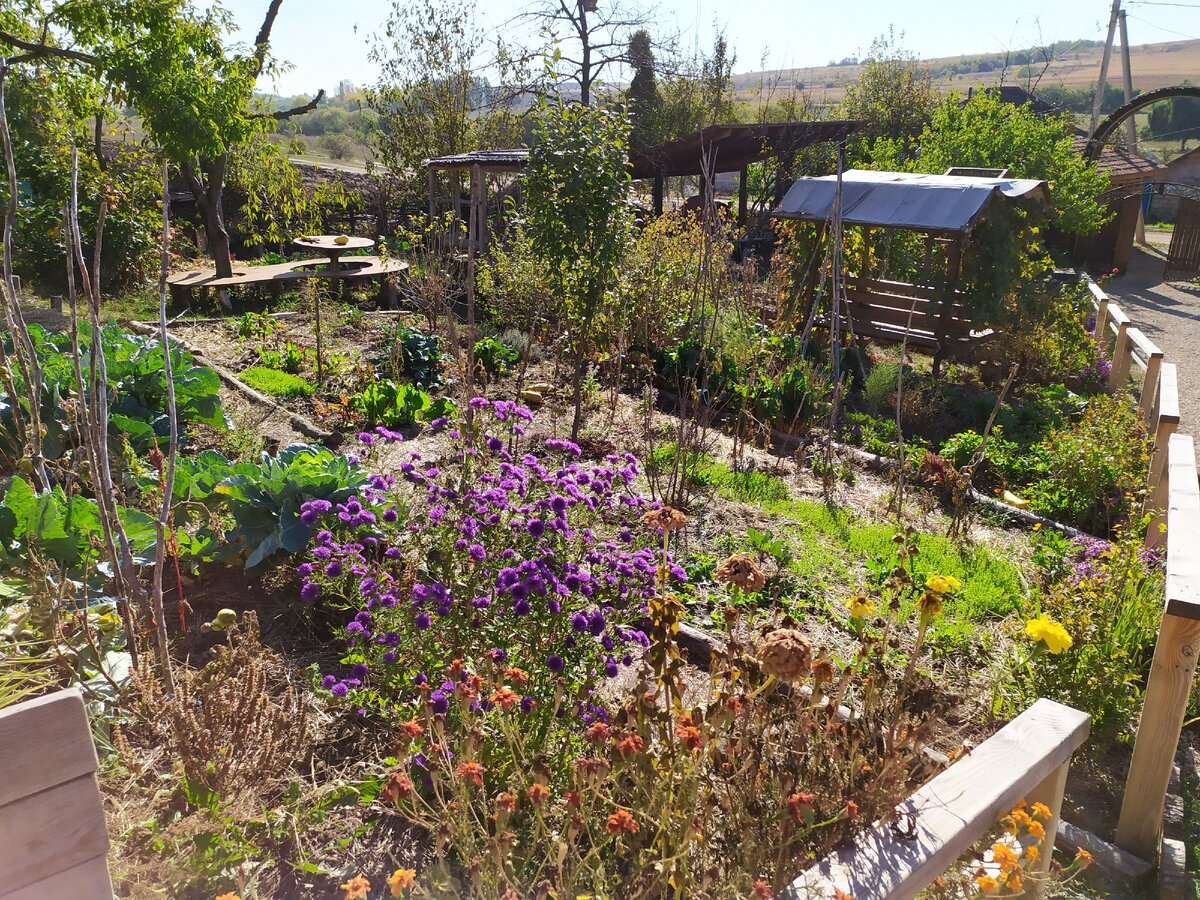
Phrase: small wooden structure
[478,166]
[930,312]
[732,148]
[53,838]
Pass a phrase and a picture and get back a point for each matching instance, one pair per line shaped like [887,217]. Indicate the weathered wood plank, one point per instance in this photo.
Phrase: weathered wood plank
[1183,529]
[51,831]
[1112,860]
[953,811]
[1122,358]
[88,880]
[44,742]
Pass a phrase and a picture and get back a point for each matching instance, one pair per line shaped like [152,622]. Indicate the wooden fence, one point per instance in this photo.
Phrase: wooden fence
[53,839]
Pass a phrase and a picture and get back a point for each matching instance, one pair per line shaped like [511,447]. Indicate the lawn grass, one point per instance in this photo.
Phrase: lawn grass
[835,545]
[276,383]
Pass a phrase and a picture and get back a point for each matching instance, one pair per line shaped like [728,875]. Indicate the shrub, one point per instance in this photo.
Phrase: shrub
[277,384]
[880,385]
[417,356]
[398,405]
[495,356]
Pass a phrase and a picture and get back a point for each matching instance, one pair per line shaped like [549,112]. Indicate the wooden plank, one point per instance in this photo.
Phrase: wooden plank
[44,742]
[953,811]
[1112,860]
[1183,529]
[1164,421]
[51,831]
[1154,361]
[1122,358]
[87,881]
[1173,881]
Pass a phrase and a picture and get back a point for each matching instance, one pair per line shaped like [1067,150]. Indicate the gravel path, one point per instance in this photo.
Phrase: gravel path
[1169,314]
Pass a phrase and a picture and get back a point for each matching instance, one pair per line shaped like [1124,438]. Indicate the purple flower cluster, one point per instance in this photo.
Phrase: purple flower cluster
[1095,375]
[531,550]
[1090,554]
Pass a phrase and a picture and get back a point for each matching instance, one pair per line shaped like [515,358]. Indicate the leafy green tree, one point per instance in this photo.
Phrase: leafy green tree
[171,63]
[696,93]
[1177,118]
[575,188]
[894,94]
[427,100]
[988,133]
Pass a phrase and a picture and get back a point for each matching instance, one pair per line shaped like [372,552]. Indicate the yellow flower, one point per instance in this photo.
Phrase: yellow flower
[357,888]
[230,896]
[1013,881]
[1004,857]
[1032,852]
[861,606]
[988,884]
[1049,632]
[1038,830]
[942,584]
[1041,810]
[1083,859]
[402,880]
[1037,526]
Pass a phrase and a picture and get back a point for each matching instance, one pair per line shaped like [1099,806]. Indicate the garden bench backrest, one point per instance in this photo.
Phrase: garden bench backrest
[53,837]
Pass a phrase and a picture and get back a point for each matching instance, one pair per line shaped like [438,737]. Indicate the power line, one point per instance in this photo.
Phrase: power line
[1191,37]
[1163,3]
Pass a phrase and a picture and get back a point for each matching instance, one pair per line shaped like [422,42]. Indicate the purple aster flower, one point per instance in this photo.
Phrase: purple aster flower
[423,621]
[333,569]
[340,690]
[439,702]
[309,592]
[359,670]
[555,663]
[536,527]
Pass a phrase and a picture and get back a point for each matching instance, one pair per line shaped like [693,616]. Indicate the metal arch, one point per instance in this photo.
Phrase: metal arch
[1108,126]
[1162,188]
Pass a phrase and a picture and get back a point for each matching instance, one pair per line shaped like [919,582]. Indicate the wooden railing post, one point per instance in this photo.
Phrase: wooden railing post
[1100,332]
[1154,361]
[1174,665]
[1164,421]
[1122,357]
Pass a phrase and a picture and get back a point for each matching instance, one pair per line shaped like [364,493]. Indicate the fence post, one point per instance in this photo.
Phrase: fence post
[1121,358]
[1140,825]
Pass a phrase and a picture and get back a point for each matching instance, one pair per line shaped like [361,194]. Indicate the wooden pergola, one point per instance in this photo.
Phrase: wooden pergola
[478,164]
[732,148]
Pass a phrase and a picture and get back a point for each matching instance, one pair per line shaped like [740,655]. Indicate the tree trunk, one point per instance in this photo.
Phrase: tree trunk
[580,373]
[207,185]
[585,69]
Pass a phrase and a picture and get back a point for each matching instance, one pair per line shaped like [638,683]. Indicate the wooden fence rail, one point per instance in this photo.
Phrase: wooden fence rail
[1028,758]
[53,839]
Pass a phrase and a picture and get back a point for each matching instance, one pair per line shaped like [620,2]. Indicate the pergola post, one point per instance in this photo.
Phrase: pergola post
[743,195]
[657,193]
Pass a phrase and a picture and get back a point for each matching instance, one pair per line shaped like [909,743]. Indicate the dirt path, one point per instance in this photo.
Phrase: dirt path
[1169,314]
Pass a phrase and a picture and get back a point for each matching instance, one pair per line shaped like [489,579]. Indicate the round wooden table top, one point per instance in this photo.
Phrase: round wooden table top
[327,243]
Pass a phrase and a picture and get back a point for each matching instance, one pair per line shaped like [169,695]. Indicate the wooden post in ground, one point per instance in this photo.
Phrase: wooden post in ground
[1121,358]
[1140,825]
[657,193]
[1154,361]
[743,196]
[1164,420]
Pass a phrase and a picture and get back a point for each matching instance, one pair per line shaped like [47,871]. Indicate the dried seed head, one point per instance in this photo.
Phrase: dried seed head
[786,654]
[666,518]
[741,571]
[824,670]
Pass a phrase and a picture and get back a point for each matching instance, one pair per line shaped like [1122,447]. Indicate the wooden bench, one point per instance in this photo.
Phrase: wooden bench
[1027,759]
[277,275]
[53,838]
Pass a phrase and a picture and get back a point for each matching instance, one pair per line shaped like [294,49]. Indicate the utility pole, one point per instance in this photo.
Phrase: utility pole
[1127,73]
[1103,80]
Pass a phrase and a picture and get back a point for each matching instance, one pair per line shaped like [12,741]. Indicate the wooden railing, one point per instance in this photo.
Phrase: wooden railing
[1027,759]
[53,839]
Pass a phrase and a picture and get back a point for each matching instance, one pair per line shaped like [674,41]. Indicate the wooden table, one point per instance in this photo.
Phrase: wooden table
[327,244]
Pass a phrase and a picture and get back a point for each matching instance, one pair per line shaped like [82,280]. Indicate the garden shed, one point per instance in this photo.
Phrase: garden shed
[479,169]
[945,210]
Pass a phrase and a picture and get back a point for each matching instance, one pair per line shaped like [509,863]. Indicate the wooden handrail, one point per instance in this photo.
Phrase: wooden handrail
[1028,758]
[1139,828]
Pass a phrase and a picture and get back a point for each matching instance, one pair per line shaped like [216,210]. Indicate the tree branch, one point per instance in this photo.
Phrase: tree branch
[294,111]
[264,36]
[37,51]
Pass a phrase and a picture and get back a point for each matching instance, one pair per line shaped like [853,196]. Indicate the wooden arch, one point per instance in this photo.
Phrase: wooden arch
[1100,136]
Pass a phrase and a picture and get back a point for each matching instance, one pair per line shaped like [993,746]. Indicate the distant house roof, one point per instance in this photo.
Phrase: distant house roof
[733,147]
[1017,96]
[1122,165]
[931,203]
[1178,161]
[493,160]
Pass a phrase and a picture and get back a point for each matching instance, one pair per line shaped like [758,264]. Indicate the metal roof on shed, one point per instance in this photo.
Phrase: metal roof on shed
[935,203]
[505,160]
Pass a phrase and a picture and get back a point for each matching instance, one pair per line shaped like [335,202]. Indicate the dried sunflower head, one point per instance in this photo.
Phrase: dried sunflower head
[741,571]
[666,518]
[786,654]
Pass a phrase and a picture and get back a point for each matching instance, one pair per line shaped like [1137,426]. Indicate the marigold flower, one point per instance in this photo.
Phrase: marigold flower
[1041,810]
[230,896]
[402,880]
[397,787]
[987,884]
[357,888]
[597,732]
[860,606]
[1032,852]
[1004,857]
[520,676]
[506,698]
[786,654]
[1050,633]
[472,771]
[412,729]
[850,811]
[735,704]
[631,744]
[507,802]
[1083,859]
[800,806]
[1012,881]
[667,519]
[686,731]
[538,793]
[930,604]
[621,821]
[1037,829]
[942,584]
[741,571]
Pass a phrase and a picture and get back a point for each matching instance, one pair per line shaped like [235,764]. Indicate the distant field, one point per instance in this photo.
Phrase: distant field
[1154,66]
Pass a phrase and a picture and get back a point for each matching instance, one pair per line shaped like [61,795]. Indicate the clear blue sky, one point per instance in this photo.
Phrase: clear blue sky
[325,40]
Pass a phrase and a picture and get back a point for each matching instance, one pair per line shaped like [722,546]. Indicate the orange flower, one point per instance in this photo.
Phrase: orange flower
[1038,830]
[735,705]
[1013,881]
[520,676]
[630,745]
[851,810]
[412,729]
[1032,853]
[800,806]
[456,669]
[538,793]
[1004,857]
[507,802]
[597,733]
[839,894]
[1041,810]
[987,884]
[506,698]
[472,771]
[1083,859]
[397,787]
[621,821]
[402,880]
[230,896]
[686,731]
[356,888]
